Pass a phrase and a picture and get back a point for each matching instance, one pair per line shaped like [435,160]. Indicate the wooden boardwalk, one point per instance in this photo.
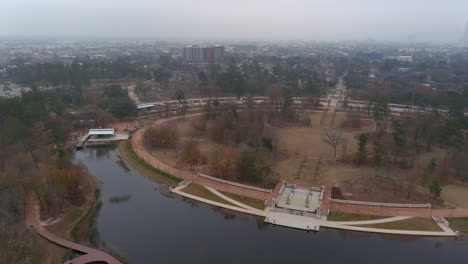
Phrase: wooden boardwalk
[91,255]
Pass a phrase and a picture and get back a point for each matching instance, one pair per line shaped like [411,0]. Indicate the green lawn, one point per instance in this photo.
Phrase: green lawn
[414,223]
[337,216]
[255,203]
[459,224]
[200,191]
[140,165]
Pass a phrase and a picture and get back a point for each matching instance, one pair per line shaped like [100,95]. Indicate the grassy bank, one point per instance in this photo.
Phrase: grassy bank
[87,216]
[338,216]
[139,164]
[414,223]
[200,191]
[255,203]
[459,224]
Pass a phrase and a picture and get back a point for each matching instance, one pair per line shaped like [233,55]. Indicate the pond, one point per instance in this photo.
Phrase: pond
[153,226]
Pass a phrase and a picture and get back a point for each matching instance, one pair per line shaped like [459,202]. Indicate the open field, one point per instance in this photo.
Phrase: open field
[304,159]
[338,216]
[459,224]
[166,155]
[310,161]
[415,223]
[186,132]
[456,194]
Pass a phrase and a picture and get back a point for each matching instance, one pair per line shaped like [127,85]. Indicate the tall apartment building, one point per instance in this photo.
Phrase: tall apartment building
[213,54]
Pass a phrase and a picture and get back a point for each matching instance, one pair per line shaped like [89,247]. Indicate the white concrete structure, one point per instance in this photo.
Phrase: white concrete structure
[299,199]
[145,106]
[101,132]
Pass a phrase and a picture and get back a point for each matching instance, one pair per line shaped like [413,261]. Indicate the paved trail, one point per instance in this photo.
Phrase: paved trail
[91,255]
[389,211]
[139,148]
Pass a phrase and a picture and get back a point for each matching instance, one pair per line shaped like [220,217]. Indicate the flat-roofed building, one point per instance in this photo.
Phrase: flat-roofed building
[212,54]
[101,132]
[145,106]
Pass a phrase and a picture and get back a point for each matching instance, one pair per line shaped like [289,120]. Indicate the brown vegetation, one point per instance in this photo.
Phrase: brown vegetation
[161,137]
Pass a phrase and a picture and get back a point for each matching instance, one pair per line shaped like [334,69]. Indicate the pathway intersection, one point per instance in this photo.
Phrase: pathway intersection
[311,222]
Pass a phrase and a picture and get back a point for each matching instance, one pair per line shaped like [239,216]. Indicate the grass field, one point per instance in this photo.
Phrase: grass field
[170,156]
[305,149]
[459,224]
[338,216]
[166,155]
[456,194]
[200,191]
[255,203]
[129,156]
[415,223]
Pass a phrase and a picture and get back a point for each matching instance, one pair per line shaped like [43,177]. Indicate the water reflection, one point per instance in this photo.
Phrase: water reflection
[155,226]
[119,199]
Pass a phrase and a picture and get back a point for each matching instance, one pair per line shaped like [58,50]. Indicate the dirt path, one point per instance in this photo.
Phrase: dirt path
[133,95]
[90,255]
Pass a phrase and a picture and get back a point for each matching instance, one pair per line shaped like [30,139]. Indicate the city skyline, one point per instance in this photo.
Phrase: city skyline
[420,21]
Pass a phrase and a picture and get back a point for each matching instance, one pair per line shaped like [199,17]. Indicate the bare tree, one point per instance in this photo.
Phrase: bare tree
[334,139]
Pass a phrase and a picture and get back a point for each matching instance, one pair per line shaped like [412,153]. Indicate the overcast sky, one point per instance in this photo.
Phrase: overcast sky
[427,20]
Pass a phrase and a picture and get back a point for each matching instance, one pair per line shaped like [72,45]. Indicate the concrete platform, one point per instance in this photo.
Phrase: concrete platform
[309,223]
[114,137]
[299,199]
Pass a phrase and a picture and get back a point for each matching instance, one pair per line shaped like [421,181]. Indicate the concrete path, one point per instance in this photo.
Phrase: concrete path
[310,223]
[372,222]
[224,197]
[178,190]
[328,205]
[91,255]
[448,233]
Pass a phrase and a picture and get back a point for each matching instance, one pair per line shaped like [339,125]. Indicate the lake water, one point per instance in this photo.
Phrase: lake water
[152,226]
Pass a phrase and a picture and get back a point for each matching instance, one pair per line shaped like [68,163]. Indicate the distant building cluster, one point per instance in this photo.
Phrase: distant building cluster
[213,54]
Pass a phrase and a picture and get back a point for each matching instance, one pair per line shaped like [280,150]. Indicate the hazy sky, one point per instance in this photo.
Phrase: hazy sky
[427,20]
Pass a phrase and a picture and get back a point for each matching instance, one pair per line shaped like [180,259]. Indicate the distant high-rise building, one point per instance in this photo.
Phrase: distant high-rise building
[194,54]
[214,54]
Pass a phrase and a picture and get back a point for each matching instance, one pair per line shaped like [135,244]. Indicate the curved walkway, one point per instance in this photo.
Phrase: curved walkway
[393,211]
[91,255]
[307,222]
[141,151]
[372,222]
[226,198]
[179,190]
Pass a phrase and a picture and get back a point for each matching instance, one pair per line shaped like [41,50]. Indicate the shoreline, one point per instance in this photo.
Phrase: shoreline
[327,224]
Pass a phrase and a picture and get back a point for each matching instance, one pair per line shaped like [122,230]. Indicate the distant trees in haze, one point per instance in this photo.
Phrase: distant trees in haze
[117,102]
